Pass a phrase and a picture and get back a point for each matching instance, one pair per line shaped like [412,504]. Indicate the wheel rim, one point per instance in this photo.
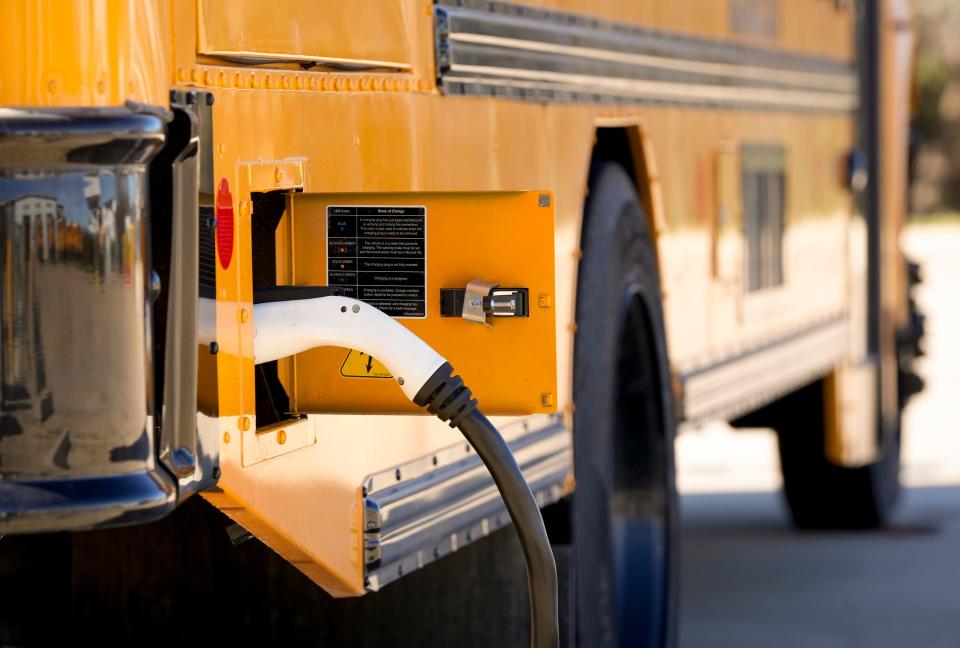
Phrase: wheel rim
[639,528]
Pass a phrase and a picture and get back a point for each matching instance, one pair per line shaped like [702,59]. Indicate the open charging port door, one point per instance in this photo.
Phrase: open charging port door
[472,274]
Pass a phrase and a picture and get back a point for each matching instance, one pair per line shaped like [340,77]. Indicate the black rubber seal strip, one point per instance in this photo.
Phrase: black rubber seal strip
[270,294]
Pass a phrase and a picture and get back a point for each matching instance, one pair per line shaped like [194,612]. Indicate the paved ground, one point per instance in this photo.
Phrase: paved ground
[748,580]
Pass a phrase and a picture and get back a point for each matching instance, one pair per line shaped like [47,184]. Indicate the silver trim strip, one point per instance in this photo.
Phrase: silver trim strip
[500,49]
[834,82]
[747,381]
[658,91]
[445,505]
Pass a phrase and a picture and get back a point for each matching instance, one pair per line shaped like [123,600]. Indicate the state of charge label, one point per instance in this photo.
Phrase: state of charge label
[378,254]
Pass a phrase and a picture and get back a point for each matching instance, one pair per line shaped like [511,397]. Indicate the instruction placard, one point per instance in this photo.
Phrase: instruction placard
[379,255]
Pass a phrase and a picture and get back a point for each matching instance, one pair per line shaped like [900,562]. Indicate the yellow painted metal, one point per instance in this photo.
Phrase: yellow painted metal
[84,52]
[370,32]
[366,141]
[505,237]
[375,132]
[813,26]
[306,504]
[850,397]
[727,216]
[104,52]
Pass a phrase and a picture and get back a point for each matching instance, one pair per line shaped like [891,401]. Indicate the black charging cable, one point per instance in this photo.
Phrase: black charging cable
[447,397]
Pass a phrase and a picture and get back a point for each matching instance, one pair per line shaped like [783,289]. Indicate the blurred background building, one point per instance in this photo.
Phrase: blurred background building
[936,127]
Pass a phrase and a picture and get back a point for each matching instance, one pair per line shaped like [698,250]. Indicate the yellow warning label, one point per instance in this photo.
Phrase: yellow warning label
[361,365]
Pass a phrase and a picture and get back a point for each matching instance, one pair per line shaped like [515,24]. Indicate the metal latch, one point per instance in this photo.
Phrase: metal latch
[482,299]
[372,521]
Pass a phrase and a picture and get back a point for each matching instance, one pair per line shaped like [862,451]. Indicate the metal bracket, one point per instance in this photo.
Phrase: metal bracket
[180,447]
[419,511]
[372,521]
[477,291]
[483,299]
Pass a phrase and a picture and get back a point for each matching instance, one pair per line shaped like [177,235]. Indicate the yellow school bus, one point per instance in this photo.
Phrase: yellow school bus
[230,226]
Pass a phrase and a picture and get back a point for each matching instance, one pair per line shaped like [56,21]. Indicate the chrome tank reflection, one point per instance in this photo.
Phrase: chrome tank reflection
[73,325]
[75,316]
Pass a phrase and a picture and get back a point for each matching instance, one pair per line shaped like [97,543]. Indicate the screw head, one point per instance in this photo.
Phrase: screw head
[356,308]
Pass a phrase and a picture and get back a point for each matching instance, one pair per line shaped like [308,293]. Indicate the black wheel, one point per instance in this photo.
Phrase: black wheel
[623,518]
[822,495]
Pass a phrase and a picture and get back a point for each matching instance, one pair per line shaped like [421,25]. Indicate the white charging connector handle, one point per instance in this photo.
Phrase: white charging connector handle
[284,328]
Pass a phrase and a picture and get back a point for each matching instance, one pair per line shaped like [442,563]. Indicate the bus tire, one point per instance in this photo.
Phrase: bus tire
[623,514]
[820,494]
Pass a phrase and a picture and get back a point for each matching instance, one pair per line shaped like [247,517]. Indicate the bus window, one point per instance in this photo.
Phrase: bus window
[762,175]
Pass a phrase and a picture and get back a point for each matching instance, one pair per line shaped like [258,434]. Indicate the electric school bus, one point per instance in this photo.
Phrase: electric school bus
[253,250]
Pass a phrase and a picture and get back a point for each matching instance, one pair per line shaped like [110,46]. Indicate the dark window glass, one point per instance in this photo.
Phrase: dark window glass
[762,189]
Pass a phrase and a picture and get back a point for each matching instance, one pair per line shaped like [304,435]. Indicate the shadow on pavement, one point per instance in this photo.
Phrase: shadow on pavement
[749,579]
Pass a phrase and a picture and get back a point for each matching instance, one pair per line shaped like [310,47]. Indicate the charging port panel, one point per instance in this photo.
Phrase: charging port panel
[401,252]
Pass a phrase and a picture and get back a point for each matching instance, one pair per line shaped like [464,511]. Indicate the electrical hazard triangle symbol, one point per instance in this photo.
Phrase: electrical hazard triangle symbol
[361,365]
